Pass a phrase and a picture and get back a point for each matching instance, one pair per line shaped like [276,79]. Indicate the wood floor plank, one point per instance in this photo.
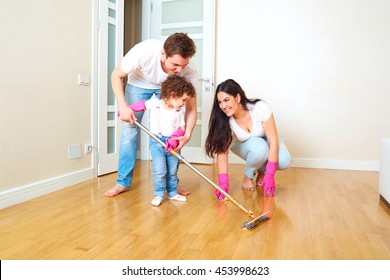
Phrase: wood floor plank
[315,214]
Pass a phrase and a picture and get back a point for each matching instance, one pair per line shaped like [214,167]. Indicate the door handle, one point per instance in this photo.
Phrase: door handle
[206,80]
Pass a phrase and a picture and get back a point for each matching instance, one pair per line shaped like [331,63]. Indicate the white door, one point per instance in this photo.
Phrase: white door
[110,52]
[196,18]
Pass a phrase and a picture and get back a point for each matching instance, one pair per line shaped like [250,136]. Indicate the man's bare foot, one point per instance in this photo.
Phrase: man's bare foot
[182,191]
[247,184]
[115,191]
[259,178]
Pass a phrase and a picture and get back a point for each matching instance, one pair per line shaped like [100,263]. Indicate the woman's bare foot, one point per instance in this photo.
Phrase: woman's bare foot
[115,191]
[182,191]
[259,178]
[247,184]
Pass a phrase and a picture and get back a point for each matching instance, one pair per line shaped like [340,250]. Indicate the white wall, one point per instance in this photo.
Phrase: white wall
[324,68]
[44,45]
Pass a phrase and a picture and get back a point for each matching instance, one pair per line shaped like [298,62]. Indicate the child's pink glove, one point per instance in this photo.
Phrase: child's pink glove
[171,144]
[223,182]
[138,106]
[269,180]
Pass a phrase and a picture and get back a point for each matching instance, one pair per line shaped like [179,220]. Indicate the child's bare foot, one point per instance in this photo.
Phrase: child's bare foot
[259,178]
[182,191]
[247,184]
[115,191]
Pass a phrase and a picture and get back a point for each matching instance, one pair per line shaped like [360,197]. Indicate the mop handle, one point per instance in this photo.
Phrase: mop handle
[248,212]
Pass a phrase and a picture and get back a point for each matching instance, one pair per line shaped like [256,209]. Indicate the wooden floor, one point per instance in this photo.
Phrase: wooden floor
[316,214]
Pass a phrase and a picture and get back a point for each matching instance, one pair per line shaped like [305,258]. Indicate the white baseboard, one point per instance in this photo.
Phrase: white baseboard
[30,191]
[336,164]
[324,163]
[233,159]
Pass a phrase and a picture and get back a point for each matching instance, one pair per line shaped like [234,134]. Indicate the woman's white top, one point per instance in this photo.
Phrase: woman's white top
[259,113]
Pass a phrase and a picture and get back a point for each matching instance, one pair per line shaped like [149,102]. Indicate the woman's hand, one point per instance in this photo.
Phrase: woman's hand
[269,179]
[223,181]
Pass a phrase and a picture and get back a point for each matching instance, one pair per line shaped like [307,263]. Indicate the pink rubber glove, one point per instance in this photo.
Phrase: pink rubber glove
[269,180]
[138,106]
[171,144]
[223,182]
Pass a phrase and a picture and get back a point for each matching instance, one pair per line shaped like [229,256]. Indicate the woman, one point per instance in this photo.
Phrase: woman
[246,127]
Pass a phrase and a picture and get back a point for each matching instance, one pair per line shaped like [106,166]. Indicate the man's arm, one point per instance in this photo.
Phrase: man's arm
[126,113]
[190,121]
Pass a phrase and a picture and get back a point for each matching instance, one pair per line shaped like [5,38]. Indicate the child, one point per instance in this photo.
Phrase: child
[166,122]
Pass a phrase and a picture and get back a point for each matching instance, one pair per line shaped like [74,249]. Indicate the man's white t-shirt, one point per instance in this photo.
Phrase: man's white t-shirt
[259,112]
[143,66]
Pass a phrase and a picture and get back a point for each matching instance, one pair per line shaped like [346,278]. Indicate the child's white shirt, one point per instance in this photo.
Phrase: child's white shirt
[162,120]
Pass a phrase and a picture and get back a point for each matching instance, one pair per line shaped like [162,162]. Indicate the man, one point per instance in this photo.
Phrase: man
[146,66]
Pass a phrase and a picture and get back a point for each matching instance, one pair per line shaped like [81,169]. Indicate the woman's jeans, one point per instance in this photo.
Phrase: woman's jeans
[165,166]
[129,138]
[255,153]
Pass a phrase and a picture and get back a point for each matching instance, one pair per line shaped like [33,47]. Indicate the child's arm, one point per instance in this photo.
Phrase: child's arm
[138,106]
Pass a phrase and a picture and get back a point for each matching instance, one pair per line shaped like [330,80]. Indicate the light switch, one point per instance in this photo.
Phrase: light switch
[84,80]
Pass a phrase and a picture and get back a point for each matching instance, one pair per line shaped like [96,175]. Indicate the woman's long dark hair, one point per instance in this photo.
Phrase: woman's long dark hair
[220,137]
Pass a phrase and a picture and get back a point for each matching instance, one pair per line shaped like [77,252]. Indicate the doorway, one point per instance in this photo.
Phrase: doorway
[120,25]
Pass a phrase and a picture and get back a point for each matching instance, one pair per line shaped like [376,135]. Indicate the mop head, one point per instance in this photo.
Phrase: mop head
[255,222]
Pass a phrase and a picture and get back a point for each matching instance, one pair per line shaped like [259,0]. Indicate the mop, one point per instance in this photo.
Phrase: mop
[246,225]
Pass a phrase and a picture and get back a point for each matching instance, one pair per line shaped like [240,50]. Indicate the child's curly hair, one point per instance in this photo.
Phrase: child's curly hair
[176,86]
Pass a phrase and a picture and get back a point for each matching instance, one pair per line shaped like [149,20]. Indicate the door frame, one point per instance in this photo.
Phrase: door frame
[146,34]
[206,81]
[96,84]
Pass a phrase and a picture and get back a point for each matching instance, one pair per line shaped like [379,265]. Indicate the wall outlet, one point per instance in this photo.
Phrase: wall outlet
[87,149]
[74,151]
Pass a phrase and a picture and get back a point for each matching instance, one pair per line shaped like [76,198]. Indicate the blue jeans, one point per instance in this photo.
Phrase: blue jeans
[129,138]
[165,166]
[255,153]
